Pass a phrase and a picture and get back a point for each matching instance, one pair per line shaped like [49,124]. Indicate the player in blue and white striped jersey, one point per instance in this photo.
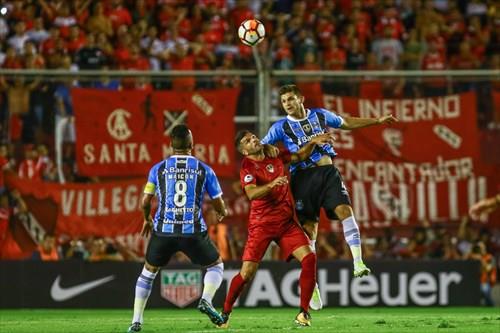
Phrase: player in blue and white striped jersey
[180,183]
[316,182]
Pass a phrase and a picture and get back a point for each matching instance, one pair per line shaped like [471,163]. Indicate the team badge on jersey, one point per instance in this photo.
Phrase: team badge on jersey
[248,178]
[181,286]
[307,128]
[270,168]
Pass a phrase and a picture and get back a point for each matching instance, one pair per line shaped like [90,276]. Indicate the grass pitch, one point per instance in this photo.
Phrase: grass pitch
[334,320]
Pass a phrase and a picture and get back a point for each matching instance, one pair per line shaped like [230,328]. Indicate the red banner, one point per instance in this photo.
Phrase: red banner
[83,210]
[125,133]
[426,167]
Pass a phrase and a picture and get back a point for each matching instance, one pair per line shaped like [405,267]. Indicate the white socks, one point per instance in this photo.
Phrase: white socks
[142,292]
[353,238]
[212,281]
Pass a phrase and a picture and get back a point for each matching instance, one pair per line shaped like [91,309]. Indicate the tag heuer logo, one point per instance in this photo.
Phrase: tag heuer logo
[181,287]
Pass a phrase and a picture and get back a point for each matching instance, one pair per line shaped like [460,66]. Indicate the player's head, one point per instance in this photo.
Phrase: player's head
[247,143]
[291,99]
[181,137]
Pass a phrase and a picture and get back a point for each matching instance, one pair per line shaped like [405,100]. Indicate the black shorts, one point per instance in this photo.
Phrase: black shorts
[318,187]
[199,248]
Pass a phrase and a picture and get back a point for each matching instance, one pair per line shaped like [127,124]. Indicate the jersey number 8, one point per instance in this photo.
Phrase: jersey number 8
[180,197]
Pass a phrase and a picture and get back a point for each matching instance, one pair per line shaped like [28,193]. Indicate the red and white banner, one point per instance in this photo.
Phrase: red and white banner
[426,167]
[125,133]
[83,210]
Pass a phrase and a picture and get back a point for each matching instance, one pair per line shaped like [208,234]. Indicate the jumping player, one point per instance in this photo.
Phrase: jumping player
[180,182]
[272,218]
[316,182]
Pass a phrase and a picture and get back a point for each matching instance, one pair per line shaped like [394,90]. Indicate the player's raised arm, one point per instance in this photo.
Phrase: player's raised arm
[255,192]
[304,152]
[350,123]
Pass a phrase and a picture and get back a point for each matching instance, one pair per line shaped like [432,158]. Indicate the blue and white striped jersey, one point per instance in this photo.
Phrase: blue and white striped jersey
[180,183]
[295,133]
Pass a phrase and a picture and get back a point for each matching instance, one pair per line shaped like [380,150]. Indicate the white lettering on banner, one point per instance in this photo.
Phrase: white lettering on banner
[423,283]
[212,154]
[383,171]
[100,202]
[411,110]
[120,153]
[420,288]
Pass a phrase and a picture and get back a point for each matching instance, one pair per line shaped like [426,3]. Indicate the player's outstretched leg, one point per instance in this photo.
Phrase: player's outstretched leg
[211,282]
[311,229]
[353,238]
[238,282]
[142,292]
[307,282]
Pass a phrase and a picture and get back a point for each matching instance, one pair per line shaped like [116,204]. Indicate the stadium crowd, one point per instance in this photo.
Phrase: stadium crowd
[162,35]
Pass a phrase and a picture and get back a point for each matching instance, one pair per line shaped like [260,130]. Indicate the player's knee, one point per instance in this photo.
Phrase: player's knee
[248,273]
[310,229]
[217,268]
[151,268]
[343,211]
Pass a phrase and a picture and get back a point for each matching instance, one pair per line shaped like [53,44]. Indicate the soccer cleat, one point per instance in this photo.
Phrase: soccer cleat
[208,309]
[316,303]
[361,270]
[225,320]
[135,327]
[303,318]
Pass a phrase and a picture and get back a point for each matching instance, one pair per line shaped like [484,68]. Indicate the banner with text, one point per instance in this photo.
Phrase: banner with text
[425,167]
[125,133]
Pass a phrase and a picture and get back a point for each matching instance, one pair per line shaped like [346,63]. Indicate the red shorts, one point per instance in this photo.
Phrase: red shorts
[289,237]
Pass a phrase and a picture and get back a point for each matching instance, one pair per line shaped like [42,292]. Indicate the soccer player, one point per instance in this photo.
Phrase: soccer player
[316,182]
[180,182]
[272,217]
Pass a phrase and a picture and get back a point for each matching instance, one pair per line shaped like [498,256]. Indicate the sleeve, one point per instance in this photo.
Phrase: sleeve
[150,187]
[273,135]
[332,120]
[213,187]
[247,176]
[285,156]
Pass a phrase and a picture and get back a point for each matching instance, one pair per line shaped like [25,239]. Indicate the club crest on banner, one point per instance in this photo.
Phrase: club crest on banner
[181,287]
[117,124]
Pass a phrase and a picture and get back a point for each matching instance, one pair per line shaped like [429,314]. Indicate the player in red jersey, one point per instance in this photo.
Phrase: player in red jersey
[272,218]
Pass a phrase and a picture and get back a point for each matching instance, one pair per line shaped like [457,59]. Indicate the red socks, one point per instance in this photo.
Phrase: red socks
[237,284]
[307,280]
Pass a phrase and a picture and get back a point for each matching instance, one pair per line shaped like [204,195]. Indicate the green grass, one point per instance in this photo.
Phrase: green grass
[334,320]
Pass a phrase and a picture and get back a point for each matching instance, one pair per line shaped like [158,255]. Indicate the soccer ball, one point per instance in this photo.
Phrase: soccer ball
[251,32]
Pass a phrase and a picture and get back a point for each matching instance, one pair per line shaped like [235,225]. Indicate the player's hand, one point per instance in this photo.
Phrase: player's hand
[271,151]
[221,216]
[146,228]
[283,180]
[327,138]
[387,119]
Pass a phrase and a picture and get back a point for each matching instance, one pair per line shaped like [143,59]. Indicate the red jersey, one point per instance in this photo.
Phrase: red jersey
[276,206]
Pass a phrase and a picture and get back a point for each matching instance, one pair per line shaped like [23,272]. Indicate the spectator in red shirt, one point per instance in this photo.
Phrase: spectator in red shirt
[181,58]
[76,39]
[464,60]
[240,13]
[12,60]
[64,19]
[119,15]
[98,22]
[434,60]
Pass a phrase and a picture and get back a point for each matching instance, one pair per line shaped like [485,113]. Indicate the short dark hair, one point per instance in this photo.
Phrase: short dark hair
[238,137]
[181,137]
[289,88]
